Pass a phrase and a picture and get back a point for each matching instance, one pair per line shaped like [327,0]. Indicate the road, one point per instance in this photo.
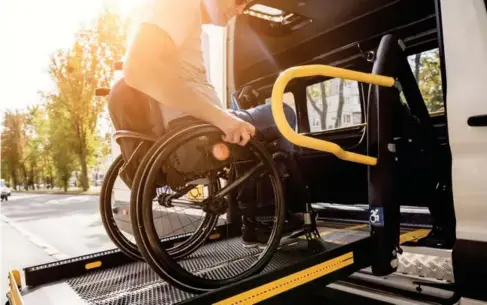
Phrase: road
[37,229]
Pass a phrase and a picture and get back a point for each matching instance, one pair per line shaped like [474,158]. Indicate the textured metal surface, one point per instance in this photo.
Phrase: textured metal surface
[433,267]
[216,254]
[137,284]
[413,264]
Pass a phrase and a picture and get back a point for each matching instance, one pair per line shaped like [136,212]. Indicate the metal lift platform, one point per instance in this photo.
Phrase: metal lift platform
[111,278]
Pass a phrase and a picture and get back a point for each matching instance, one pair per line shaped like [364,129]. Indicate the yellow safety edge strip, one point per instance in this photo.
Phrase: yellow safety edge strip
[414,235]
[289,282]
[324,70]
[14,284]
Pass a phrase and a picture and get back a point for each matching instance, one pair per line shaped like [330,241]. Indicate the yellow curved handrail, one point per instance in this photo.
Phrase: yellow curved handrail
[329,71]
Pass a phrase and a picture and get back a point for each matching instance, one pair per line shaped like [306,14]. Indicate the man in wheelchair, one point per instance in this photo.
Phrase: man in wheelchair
[164,65]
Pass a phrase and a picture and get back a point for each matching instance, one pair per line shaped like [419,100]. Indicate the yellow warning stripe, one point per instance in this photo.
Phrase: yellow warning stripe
[326,232]
[413,236]
[289,282]
[14,284]
[356,227]
[299,278]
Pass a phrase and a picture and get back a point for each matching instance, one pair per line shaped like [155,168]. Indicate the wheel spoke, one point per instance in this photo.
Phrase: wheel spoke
[248,175]
[176,264]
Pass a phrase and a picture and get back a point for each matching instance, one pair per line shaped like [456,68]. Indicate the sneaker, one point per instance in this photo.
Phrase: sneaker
[256,232]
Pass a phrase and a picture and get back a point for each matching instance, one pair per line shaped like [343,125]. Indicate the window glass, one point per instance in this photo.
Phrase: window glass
[332,104]
[426,70]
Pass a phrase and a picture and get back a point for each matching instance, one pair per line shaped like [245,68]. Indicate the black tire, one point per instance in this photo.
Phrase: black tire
[147,238]
[117,237]
[188,246]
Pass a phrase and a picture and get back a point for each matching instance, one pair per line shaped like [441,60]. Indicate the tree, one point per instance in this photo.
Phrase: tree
[341,101]
[316,95]
[77,72]
[62,154]
[13,147]
[430,81]
[426,69]
[37,161]
[25,153]
[417,65]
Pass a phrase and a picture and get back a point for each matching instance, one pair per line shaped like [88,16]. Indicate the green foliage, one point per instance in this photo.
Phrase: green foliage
[51,141]
[61,149]
[37,161]
[77,72]
[13,147]
[428,75]
[430,81]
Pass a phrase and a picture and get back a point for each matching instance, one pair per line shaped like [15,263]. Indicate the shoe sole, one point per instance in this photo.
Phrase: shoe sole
[248,246]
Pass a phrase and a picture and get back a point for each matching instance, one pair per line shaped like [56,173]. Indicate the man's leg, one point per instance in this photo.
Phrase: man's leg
[254,230]
[262,119]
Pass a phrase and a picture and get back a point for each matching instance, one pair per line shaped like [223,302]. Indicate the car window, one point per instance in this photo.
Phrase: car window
[333,104]
[426,70]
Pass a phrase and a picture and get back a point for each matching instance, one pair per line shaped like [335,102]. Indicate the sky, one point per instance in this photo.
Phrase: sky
[31,30]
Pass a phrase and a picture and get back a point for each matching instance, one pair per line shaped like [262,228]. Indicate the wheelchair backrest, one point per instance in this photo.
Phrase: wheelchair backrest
[137,123]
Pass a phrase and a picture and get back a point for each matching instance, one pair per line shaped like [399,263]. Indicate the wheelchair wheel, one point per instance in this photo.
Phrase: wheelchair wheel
[199,234]
[123,241]
[166,155]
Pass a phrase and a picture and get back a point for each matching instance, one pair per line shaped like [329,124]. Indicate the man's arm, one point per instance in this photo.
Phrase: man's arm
[148,68]
[151,66]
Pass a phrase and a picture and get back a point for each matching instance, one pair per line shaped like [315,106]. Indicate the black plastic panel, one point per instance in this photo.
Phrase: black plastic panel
[470,268]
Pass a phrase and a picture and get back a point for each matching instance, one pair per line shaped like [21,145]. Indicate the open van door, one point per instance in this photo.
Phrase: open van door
[465,49]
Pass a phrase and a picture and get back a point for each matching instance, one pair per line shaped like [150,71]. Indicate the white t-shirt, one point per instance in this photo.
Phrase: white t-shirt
[181,19]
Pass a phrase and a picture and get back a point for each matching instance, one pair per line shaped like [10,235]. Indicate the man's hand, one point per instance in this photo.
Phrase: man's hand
[235,130]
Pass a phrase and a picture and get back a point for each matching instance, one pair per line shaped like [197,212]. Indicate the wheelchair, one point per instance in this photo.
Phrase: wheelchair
[235,183]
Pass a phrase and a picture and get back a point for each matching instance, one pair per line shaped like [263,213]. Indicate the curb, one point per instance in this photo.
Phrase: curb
[51,251]
[57,193]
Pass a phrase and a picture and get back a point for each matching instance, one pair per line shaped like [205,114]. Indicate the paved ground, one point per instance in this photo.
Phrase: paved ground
[39,228]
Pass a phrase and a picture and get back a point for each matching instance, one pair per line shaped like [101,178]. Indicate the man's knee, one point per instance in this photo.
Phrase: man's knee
[290,115]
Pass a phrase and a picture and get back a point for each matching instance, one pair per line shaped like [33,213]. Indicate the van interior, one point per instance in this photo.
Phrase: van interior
[396,38]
